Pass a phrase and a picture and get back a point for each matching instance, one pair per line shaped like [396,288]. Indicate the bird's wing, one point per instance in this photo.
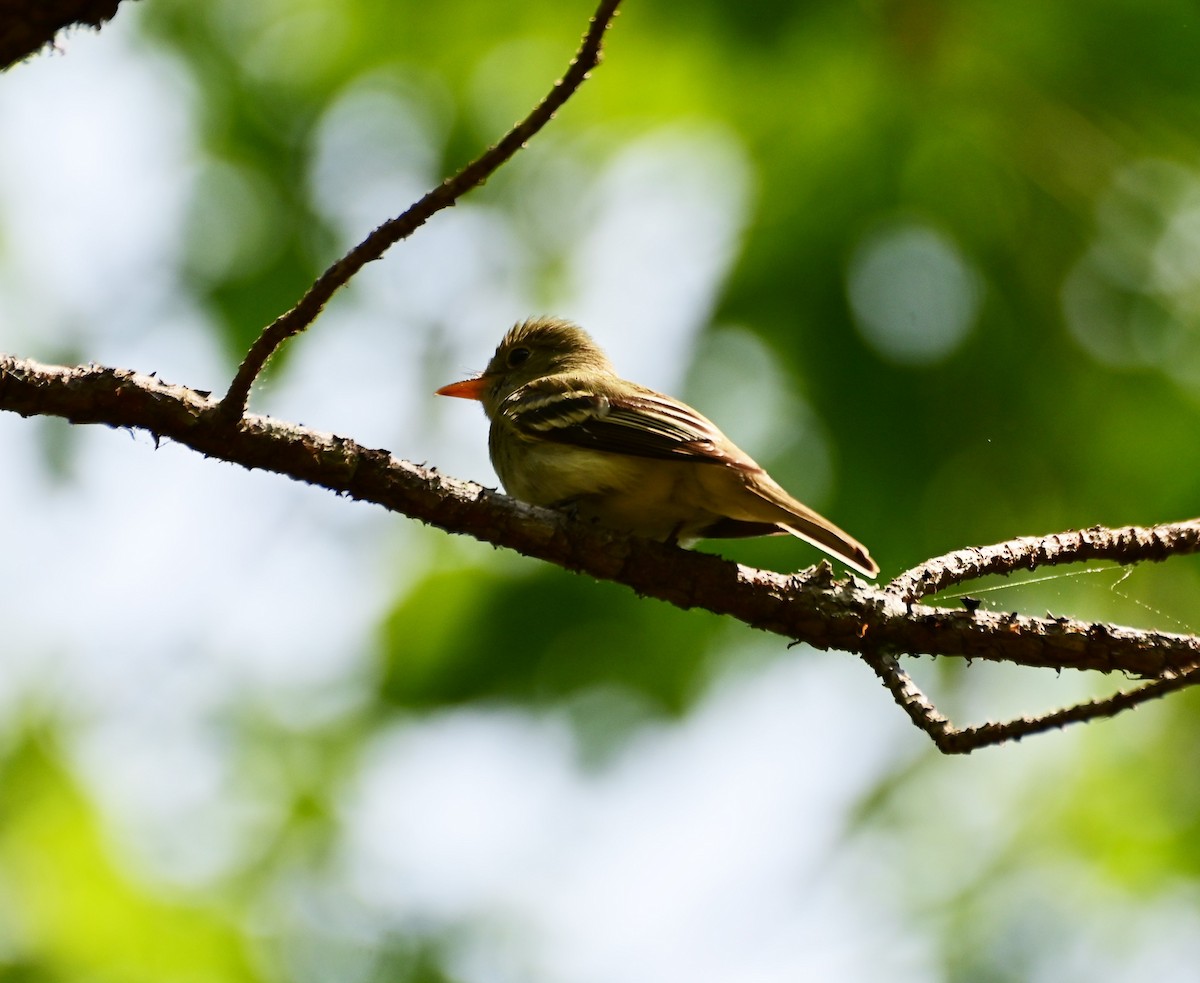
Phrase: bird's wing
[639,422]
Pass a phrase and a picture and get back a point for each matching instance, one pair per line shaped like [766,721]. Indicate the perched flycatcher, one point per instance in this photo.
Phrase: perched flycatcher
[567,431]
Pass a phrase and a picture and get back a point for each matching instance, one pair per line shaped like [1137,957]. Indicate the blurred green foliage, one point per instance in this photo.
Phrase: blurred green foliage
[452,639]
[1049,154]
[83,918]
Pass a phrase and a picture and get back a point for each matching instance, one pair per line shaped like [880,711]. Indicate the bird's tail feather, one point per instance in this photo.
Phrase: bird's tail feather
[826,536]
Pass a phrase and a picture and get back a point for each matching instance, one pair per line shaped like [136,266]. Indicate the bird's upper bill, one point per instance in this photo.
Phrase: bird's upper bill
[467,389]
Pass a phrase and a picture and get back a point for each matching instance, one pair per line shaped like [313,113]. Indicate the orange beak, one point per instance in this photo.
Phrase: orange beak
[467,389]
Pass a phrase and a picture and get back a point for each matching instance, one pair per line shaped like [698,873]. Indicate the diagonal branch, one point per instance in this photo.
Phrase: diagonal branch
[811,606]
[954,740]
[393,230]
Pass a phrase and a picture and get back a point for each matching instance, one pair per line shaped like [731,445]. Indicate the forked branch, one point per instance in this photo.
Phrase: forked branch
[1126,545]
[963,740]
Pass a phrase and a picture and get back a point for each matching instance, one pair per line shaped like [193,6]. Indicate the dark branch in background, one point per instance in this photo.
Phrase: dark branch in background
[812,607]
[27,26]
[392,231]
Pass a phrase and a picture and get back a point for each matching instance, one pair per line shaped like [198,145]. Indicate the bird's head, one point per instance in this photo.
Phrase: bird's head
[532,349]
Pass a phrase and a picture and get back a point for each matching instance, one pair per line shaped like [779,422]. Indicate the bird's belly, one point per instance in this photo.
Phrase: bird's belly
[642,496]
[555,474]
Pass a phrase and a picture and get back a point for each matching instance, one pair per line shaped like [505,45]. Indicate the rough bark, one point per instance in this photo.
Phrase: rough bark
[812,606]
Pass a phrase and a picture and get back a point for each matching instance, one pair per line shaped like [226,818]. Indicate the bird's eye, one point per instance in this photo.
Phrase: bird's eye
[518,356]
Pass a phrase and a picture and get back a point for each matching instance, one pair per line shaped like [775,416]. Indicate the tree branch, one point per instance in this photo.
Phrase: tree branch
[392,231]
[811,606]
[1028,553]
[27,26]
[953,740]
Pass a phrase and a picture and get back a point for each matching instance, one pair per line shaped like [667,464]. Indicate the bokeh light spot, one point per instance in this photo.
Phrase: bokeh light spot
[913,294]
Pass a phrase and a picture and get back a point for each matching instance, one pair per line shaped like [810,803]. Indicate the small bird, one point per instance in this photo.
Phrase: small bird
[568,432]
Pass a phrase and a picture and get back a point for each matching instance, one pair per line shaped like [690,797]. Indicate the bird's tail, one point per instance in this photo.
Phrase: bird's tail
[824,535]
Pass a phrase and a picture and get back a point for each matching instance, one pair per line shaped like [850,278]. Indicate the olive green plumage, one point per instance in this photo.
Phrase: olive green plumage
[566,430]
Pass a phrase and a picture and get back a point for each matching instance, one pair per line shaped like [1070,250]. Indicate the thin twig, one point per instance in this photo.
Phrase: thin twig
[294,321]
[967,739]
[909,698]
[950,739]
[1124,545]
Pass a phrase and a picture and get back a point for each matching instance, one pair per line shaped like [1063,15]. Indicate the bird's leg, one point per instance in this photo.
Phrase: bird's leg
[568,506]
